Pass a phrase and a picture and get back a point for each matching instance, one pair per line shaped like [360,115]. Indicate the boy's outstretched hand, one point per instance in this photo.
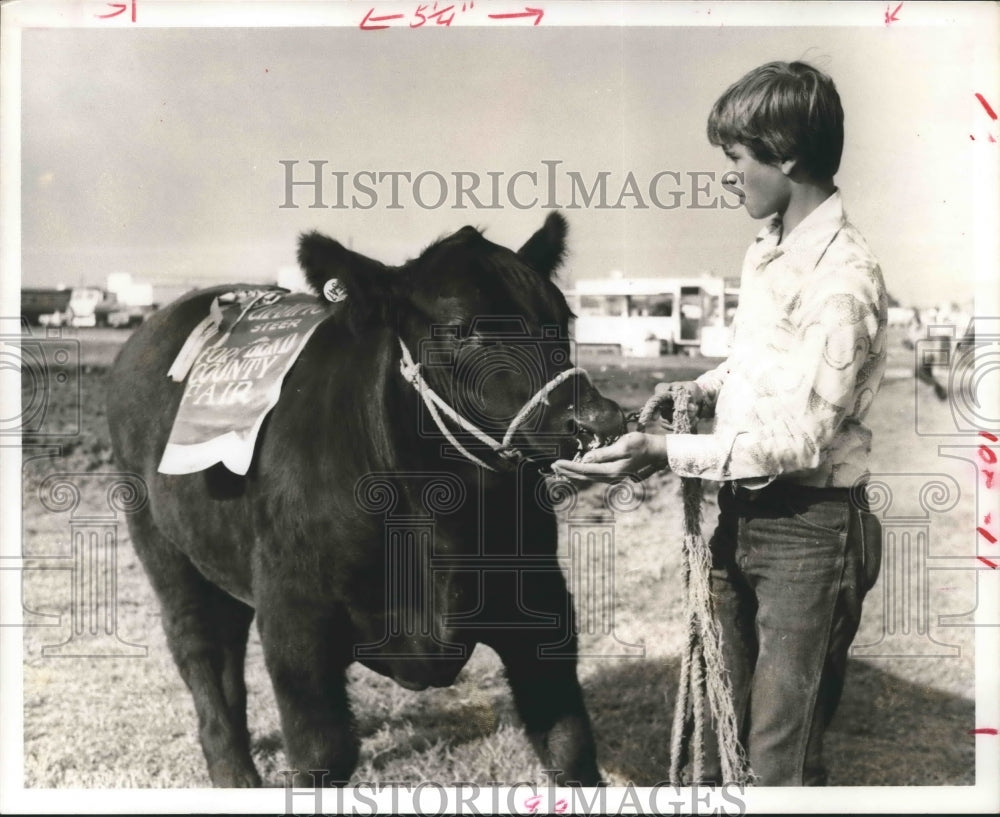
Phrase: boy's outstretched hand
[636,455]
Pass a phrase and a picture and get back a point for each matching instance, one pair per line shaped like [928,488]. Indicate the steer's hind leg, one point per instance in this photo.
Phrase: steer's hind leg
[207,632]
[307,655]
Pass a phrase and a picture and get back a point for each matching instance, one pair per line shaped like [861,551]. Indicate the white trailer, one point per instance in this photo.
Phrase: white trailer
[647,317]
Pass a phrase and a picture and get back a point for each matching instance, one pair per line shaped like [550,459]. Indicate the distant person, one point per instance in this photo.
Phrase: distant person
[923,359]
[914,330]
[964,332]
[808,355]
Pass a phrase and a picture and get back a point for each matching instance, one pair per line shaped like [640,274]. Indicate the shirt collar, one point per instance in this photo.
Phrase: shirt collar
[768,236]
[812,234]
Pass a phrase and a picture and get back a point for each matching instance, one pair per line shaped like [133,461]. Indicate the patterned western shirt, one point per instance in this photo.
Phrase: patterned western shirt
[807,358]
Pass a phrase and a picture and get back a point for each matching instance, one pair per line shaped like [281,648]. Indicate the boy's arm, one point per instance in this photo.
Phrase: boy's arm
[711,382]
[829,380]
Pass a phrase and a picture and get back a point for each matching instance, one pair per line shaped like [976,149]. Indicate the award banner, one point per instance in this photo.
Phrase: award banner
[233,365]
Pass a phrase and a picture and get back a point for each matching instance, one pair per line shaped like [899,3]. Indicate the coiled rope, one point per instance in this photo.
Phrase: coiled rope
[703,672]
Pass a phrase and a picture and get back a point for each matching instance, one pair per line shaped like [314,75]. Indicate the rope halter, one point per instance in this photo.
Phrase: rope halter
[411,371]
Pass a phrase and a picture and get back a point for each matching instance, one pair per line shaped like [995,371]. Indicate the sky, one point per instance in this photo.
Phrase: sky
[159,152]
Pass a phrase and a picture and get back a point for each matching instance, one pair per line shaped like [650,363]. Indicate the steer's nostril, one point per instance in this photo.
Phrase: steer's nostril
[586,434]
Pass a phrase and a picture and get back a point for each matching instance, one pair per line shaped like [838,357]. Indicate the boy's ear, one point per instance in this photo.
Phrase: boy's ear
[788,165]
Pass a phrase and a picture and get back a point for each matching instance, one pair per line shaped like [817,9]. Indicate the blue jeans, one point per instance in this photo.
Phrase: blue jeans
[788,582]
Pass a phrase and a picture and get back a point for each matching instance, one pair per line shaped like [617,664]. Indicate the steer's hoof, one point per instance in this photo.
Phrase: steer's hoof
[228,776]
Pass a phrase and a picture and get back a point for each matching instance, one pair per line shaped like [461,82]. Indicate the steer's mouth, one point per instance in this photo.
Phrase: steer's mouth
[588,439]
[583,439]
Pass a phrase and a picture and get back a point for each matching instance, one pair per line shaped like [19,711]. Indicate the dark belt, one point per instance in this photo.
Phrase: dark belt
[796,491]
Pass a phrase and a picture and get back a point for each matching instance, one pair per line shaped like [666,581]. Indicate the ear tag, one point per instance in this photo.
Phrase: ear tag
[334,291]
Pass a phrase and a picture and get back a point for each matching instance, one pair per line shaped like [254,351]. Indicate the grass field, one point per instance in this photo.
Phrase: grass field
[129,722]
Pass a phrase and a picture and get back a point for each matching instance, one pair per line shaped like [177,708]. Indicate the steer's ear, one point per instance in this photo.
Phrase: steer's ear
[544,251]
[365,284]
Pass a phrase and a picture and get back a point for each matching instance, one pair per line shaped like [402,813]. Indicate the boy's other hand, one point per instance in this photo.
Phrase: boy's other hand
[696,399]
[636,455]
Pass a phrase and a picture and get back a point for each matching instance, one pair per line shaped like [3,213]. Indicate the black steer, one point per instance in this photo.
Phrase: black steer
[361,532]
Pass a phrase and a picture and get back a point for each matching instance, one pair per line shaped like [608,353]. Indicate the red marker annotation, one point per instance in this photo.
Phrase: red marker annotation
[371,23]
[984,731]
[533,803]
[988,474]
[528,12]
[989,458]
[992,115]
[119,8]
[892,18]
[423,14]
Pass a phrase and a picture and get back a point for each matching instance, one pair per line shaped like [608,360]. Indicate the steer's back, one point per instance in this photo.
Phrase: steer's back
[142,400]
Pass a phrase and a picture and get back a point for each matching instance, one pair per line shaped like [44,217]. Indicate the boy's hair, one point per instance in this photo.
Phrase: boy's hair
[783,111]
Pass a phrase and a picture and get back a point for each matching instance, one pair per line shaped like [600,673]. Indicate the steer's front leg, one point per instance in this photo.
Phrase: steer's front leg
[541,669]
[550,702]
[307,668]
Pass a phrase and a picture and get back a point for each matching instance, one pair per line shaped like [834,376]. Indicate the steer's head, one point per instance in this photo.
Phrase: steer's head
[489,328]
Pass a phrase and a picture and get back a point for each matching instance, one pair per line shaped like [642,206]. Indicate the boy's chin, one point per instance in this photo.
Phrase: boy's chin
[759,213]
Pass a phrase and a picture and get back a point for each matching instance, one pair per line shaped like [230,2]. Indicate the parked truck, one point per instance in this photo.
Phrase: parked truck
[47,307]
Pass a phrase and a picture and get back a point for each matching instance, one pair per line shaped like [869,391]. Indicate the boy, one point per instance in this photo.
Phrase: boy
[808,354]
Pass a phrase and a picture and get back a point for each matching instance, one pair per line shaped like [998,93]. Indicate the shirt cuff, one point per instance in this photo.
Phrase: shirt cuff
[709,456]
[697,455]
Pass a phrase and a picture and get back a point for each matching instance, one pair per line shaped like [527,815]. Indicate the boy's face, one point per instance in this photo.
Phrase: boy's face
[766,188]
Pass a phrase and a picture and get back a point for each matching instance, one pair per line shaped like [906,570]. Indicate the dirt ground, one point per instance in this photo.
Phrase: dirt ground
[126,719]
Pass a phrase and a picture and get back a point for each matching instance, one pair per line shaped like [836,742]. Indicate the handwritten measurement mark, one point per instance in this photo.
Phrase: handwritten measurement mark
[984,731]
[371,23]
[988,457]
[528,12]
[119,8]
[892,18]
[423,13]
[533,803]
[992,115]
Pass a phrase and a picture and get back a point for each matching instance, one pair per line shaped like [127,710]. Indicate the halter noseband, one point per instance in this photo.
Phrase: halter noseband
[410,370]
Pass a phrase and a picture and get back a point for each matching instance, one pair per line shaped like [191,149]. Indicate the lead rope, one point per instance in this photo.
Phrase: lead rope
[703,672]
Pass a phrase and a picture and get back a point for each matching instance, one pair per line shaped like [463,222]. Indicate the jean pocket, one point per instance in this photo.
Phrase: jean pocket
[827,516]
[869,531]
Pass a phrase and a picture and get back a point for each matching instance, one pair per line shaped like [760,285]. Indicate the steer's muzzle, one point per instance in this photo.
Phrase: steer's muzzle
[593,421]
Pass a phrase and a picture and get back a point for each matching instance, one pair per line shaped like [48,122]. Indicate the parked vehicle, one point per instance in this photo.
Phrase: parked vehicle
[112,312]
[647,317]
[82,303]
[46,307]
